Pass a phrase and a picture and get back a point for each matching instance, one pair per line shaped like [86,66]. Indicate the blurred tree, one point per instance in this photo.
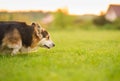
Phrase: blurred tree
[116,24]
[100,20]
[60,19]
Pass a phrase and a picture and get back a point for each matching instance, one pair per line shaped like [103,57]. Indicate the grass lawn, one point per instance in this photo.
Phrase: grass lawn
[78,56]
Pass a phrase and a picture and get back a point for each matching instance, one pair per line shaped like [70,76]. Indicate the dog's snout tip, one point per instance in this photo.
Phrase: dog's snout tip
[53,45]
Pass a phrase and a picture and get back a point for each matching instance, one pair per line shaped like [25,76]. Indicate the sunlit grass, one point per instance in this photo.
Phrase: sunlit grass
[78,56]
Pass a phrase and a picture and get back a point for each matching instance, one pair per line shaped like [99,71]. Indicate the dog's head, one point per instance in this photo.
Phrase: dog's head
[44,36]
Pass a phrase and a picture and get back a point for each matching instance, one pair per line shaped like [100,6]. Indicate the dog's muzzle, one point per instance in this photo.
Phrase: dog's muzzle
[49,46]
[47,43]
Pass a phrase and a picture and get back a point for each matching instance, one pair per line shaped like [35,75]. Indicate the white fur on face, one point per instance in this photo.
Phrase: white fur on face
[46,43]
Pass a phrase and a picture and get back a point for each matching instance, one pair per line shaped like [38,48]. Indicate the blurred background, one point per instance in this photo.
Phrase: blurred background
[85,32]
[63,14]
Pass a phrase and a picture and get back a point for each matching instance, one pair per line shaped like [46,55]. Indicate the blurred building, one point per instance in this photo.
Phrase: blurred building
[113,12]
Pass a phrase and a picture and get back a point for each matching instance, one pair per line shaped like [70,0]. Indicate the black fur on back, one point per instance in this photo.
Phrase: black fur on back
[26,31]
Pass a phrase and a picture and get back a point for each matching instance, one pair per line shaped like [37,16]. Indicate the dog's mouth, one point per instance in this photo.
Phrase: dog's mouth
[46,46]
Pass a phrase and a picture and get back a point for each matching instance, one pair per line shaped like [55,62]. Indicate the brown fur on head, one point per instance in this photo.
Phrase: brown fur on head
[46,41]
[41,36]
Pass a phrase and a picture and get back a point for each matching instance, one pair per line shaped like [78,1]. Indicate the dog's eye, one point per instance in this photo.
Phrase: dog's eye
[48,37]
[39,27]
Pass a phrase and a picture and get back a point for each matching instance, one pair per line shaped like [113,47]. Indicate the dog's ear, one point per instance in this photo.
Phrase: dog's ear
[37,30]
[33,24]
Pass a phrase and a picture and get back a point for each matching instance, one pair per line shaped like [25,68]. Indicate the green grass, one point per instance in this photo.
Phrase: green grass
[78,56]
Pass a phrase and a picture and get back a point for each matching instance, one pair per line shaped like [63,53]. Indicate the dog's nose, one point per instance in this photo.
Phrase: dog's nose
[53,45]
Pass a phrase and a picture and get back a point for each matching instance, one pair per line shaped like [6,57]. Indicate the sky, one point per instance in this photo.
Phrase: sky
[74,6]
